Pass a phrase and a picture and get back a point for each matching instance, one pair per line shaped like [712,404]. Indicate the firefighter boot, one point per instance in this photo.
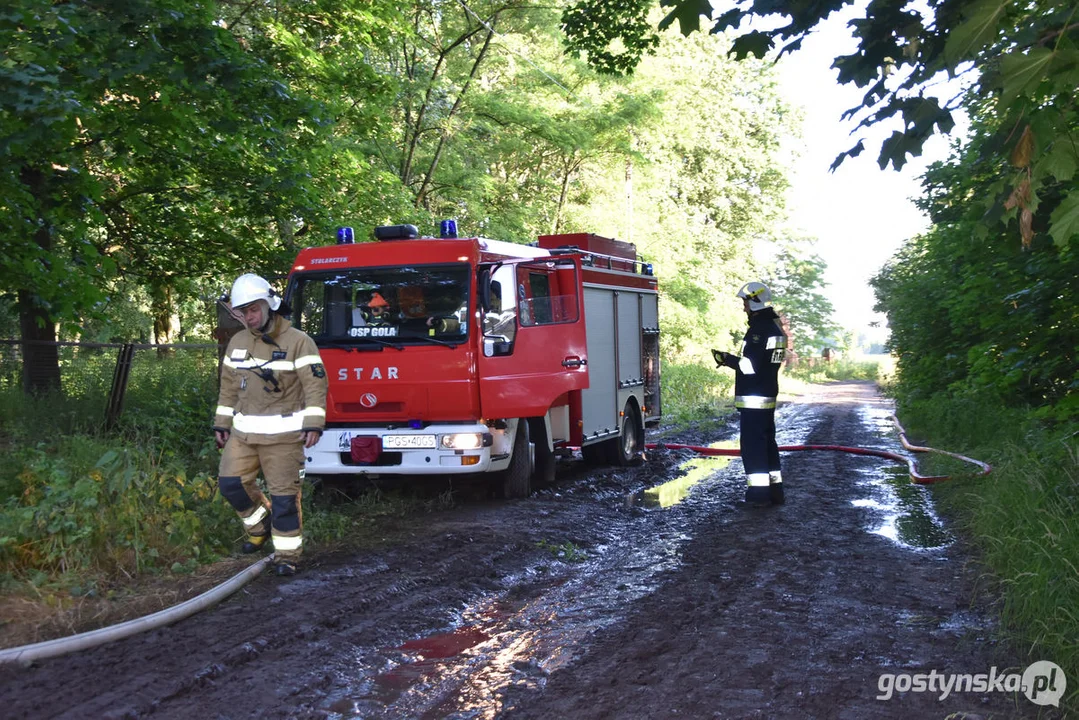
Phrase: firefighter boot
[258,537]
[775,488]
[757,490]
[284,569]
[254,543]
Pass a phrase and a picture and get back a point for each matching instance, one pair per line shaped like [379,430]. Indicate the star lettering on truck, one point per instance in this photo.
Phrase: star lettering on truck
[376,373]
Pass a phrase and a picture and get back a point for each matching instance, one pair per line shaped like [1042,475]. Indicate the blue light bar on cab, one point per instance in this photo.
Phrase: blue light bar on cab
[345,236]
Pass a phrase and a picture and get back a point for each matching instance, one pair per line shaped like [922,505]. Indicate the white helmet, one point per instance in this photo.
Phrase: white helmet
[250,287]
[757,294]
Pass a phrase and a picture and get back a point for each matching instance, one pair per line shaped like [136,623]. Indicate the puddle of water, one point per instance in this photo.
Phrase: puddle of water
[958,624]
[909,519]
[462,674]
[444,645]
[877,419]
[694,471]
[905,509]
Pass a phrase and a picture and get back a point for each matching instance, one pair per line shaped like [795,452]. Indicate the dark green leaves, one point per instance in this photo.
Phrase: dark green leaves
[980,26]
[688,14]
[592,28]
[1065,220]
[1023,73]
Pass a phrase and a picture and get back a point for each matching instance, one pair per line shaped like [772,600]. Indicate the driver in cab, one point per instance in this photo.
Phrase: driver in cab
[373,313]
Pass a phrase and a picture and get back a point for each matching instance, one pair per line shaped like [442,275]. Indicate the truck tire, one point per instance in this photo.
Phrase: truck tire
[516,480]
[630,442]
[543,473]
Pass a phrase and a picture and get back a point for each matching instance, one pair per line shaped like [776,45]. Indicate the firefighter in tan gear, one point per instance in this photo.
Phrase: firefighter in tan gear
[272,406]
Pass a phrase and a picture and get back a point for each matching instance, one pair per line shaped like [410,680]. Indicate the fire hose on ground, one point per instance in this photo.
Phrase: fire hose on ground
[915,476]
[82,641]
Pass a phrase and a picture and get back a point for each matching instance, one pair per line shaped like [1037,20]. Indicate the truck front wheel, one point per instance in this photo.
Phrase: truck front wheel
[516,480]
[544,471]
[630,440]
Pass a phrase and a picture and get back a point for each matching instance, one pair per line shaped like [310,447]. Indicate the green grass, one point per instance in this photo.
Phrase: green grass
[566,551]
[695,393]
[841,369]
[1021,517]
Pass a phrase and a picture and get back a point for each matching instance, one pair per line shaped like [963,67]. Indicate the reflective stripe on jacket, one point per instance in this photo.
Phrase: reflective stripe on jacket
[756,380]
[273,385]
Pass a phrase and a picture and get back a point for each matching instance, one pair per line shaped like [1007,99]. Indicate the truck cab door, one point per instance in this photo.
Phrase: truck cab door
[546,357]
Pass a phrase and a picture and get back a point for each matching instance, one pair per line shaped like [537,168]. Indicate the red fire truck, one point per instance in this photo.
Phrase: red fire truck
[468,355]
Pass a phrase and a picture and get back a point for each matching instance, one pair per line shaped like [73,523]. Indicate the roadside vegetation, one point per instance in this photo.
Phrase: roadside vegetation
[1021,517]
[985,328]
[837,370]
[87,512]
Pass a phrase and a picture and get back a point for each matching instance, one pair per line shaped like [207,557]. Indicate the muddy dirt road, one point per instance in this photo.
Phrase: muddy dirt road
[650,592]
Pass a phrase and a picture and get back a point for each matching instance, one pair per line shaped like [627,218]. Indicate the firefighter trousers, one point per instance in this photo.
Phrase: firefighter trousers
[280,516]
[760,456]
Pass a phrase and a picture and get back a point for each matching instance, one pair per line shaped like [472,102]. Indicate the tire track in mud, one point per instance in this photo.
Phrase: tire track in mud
[282,647]
[467,613]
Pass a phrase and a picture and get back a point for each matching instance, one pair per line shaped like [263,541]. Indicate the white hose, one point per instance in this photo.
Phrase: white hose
[62,646]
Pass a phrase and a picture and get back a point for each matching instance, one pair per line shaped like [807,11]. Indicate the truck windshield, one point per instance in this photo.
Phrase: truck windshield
[397,304]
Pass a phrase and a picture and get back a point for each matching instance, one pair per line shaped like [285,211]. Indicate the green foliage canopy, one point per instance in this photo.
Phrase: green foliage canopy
[156,148]
[980,319]
[1023,56]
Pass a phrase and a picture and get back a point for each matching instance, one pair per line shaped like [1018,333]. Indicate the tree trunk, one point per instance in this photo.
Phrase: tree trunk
[40,357]
[161,309]
[286,232]
[572,164]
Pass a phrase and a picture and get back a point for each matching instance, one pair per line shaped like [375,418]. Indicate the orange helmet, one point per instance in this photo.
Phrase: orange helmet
[377,301]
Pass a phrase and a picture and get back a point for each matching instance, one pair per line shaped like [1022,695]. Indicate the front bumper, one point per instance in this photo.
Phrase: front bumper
[332,454]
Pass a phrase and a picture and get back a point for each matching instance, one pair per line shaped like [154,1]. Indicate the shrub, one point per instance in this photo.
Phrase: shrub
[693,392]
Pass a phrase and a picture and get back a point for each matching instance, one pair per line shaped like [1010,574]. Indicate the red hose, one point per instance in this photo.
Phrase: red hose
[915,476]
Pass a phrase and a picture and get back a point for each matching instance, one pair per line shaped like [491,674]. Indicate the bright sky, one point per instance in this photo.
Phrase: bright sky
[860,214]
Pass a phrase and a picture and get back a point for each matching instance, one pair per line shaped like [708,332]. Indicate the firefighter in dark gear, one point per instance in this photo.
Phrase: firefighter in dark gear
[271,407]
[378,310]
[756,386]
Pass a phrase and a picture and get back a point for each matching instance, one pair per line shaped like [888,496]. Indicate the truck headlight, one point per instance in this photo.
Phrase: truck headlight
[466,441]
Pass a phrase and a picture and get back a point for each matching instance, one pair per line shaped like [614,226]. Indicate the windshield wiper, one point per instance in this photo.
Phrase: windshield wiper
[436,341]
